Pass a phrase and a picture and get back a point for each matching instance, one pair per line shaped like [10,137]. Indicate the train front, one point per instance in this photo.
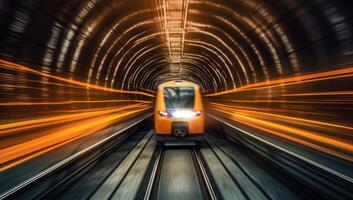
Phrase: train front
[179,113]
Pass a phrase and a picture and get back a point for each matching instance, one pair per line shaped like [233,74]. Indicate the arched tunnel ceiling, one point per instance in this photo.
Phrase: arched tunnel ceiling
[138,44]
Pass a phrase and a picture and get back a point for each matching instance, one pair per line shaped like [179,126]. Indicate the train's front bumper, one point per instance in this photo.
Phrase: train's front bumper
[165,138]
[172,140]
[164,125]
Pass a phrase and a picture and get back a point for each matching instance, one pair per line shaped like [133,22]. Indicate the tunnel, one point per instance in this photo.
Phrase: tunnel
[80,81]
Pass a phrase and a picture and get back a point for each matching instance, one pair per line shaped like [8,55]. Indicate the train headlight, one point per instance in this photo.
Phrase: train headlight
[185,113]
[180,113]
[197,112]
[163,113]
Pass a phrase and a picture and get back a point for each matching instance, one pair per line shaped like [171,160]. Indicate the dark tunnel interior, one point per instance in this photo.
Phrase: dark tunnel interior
[72,68]
[136,45]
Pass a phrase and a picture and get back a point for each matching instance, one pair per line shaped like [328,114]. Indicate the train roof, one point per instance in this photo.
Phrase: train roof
[178,83]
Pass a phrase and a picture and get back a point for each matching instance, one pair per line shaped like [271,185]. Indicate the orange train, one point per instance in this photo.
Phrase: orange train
[179,112]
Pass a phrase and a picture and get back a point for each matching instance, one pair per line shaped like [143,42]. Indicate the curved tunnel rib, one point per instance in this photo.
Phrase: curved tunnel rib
[278,69]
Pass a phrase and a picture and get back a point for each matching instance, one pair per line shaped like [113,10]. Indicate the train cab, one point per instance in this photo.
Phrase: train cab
[179,112]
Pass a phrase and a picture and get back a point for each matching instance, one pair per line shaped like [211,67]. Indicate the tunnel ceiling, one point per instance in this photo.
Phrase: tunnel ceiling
[138,44]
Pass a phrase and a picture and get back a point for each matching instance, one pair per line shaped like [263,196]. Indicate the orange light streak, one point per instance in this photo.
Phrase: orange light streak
[37,153]
[8,128]
[68,102]
[336,74]
[300,141]
[22,152]
[13,66]
[234,108]
[321,93]
[275,110]
[251,119]
[338,101]
[19,80]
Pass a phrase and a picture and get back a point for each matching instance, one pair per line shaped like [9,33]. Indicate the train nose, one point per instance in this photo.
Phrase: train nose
[180,129]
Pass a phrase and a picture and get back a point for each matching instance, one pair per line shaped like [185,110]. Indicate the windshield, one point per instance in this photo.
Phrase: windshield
[177,98]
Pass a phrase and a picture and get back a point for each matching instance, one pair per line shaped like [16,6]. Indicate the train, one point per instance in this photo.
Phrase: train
[179,112]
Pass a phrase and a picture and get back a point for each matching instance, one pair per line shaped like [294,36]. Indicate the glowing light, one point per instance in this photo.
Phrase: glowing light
[302,130]
[74,126]
[185,113]
[18,67]
[336,74]
[13,127]
[237,109]
[175,14]
[163,113]
[69,102]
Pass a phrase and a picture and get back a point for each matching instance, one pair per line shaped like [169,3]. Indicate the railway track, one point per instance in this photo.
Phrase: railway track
[307,173]
[179,174]
[53,179]
[134,167]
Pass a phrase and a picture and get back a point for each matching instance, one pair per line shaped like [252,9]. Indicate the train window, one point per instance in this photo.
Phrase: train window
[177,98]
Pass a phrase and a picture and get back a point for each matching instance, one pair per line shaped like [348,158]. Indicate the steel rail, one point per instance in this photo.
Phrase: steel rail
[62,164]
[205,177]
[295,155]
[151,181]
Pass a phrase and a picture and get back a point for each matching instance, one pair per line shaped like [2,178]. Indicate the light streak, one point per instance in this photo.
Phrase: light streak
[166,29]
[57,137]
[337,101]
[8,128]
[18,79]
[239,47]
[218,53]
[333,93]
[252,25]
[336,74]
[185,14]
[69,102]
[300,141]
[252,112]
[174,18]
[315,134]
[18,67]
[273,110]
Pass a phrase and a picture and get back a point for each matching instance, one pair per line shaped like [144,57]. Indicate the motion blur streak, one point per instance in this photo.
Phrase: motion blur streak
[34,123]
[315,134]
[17,67]
[66,110]
[322,93]
[336,74]
[338,101]
[67,102]
[71,127]
[80,78]
[247,110]
[312,110]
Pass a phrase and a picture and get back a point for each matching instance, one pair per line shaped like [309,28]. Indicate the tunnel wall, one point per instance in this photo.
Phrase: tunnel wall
[279,69]
[228,43]
[121,45]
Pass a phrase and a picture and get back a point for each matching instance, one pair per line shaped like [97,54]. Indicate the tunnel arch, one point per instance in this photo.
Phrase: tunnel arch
[242,42]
